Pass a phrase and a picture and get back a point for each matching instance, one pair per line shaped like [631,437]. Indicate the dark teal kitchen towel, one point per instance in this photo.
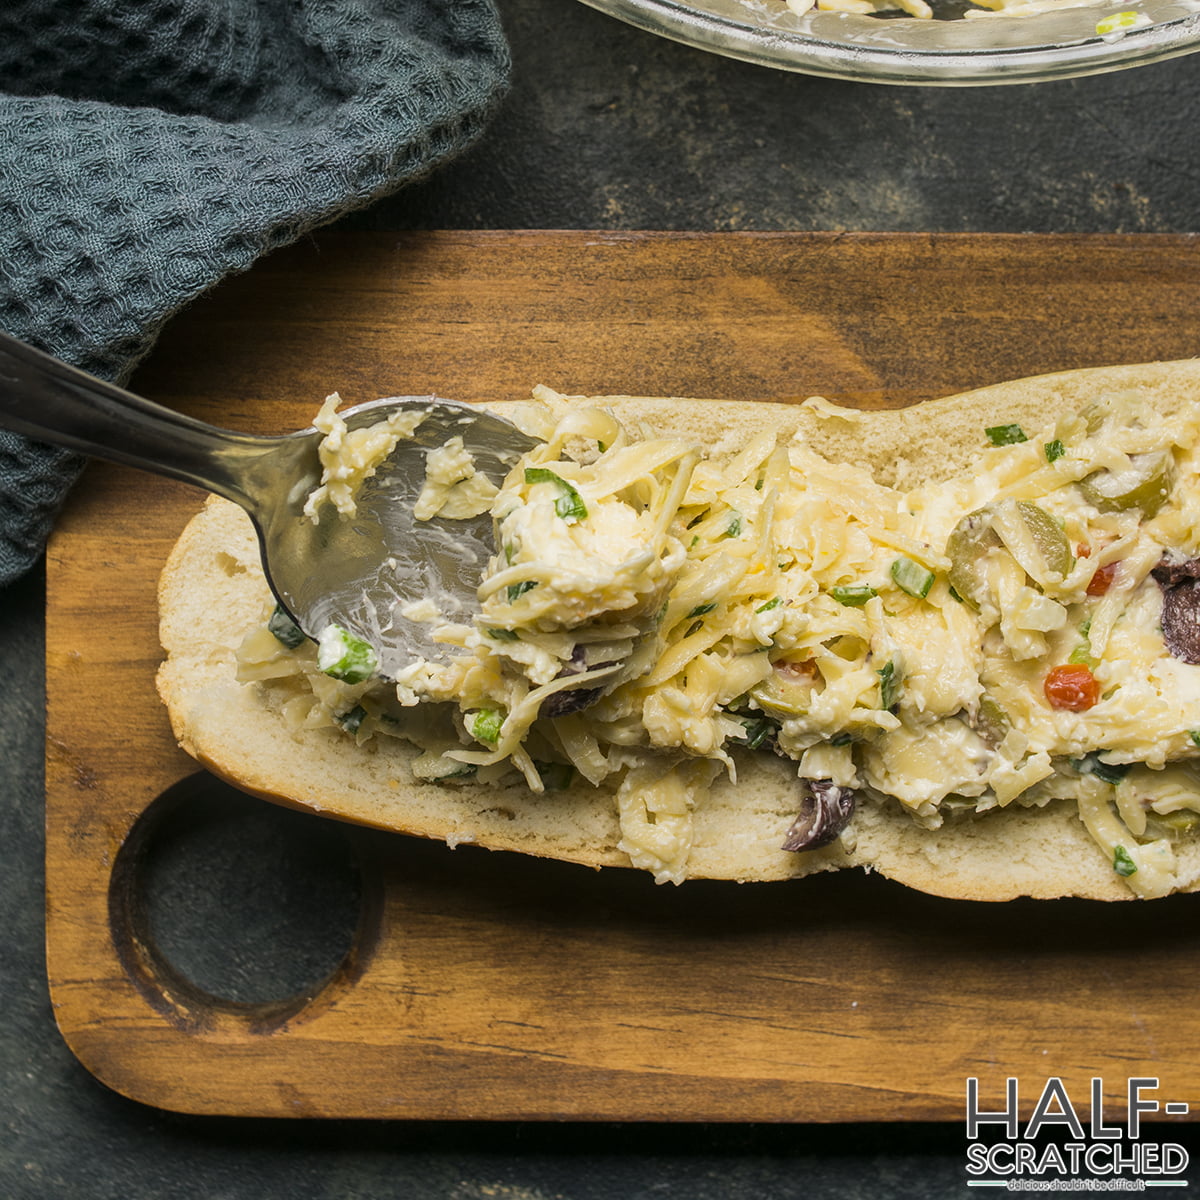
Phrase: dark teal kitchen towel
[150,147]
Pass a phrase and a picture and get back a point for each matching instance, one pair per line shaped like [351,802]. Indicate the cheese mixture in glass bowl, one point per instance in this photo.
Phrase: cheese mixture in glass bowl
[943,42]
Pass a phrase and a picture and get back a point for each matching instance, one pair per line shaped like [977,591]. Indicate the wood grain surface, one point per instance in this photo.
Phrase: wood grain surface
[491,986]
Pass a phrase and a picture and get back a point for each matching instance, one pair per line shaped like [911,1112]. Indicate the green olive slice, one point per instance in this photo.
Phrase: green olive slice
[1034,539]
[991,722]
[784,695]
[967,548]
[1181,820]
[1144,484]
[1048,536]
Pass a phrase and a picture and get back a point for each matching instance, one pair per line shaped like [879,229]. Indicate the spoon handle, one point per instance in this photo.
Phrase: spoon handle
[45,399]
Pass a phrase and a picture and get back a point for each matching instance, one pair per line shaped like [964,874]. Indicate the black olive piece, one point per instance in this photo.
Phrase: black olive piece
[572,700]
[1180,583]
[569,700]
[576,664]
[825,810]
[1171,571]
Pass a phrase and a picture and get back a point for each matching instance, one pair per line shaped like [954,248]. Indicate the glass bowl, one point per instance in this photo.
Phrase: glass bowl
[1056,44]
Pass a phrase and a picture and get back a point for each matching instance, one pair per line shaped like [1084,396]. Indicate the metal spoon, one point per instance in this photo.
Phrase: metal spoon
[357,573]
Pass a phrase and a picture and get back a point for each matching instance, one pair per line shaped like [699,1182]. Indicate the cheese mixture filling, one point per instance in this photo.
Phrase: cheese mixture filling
[1113,23]
[350,456]
[1027,633]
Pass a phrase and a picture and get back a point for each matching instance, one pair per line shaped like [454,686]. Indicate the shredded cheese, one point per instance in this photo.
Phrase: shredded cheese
[651,607]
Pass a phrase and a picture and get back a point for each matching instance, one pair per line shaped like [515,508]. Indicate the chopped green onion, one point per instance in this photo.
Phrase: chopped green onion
[351,721]
[485,725]
[284,628]
[343,656]
[1054,450]
[1092,764]
[701,609]
[775,602]
[853,595]
[1005,435]
[1110,772]
[695,539]
[555,775]
[734,528]
[1123,864]
[569,505]
[503,635]
[758,729]
[1195,736]
[889,684]
[841,739]
[515,591]
[1082,655]
[912,578]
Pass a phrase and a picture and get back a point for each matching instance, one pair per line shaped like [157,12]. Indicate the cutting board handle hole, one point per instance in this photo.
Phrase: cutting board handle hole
[225,907]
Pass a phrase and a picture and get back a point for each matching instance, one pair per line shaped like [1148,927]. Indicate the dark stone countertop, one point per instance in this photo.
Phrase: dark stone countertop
[605,127]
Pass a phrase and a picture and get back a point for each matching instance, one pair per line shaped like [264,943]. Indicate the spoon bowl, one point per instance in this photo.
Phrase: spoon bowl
[362,572]
[357,572]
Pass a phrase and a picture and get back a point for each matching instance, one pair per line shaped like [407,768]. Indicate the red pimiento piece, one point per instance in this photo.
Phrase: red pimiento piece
[1072,687]
[1101,581]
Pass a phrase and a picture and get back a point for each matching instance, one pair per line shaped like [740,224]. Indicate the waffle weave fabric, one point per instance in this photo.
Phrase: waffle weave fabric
[150,147]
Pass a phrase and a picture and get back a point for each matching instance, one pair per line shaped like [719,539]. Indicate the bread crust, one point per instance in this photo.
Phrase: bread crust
[212,591]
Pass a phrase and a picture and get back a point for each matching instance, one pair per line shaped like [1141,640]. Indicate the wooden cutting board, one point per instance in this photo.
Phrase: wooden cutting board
[491,986]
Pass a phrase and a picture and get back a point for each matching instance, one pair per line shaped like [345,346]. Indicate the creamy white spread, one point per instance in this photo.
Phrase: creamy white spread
[453,489]
[350,456]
